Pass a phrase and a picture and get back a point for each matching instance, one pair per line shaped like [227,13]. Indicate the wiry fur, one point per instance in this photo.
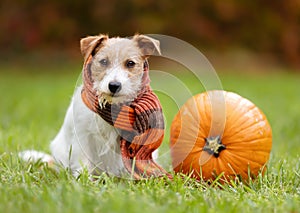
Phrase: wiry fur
[85,139]
[118,51]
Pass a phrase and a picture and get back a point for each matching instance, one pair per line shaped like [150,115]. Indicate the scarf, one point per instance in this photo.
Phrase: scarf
[139,123]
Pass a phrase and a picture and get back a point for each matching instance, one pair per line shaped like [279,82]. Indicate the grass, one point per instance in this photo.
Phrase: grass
[32,108]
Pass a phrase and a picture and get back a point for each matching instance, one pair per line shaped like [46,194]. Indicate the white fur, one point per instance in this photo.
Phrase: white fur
[84,140]
[34,156]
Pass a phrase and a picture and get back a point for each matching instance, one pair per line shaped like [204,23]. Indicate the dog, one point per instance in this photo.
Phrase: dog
[86,140]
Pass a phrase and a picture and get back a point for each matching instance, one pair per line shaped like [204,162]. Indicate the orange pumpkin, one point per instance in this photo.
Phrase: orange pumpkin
[220,132]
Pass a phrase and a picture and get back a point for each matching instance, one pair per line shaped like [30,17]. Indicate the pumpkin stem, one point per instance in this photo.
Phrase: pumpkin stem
[213,145]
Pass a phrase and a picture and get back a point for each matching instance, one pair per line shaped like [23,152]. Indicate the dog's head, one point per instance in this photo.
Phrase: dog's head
[117,65]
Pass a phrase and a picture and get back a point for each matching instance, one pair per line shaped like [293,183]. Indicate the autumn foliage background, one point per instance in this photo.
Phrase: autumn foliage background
[266,29]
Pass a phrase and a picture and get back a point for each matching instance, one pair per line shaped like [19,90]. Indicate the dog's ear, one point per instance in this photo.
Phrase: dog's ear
[90,45]
[149,46]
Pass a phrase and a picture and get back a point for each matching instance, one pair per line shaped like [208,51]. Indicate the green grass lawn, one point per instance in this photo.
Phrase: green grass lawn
[32,108]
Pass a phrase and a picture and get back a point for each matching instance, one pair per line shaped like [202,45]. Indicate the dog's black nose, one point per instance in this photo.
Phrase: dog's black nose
[114,86]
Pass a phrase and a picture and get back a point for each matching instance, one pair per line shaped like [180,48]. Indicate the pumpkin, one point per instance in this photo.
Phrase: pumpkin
[220,133]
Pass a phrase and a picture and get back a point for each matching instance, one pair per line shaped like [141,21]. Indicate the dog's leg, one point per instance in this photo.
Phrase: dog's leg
[65,147]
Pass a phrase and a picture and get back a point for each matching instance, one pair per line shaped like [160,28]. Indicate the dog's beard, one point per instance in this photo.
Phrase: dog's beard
[104,99]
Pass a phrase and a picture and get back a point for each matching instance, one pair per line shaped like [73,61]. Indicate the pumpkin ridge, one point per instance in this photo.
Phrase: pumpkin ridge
[247,128]
[221,164]
[256,125]
[234,163]
[237,122]
[229,166]
[234,155]
[242,142]
[239,131]
[237,150]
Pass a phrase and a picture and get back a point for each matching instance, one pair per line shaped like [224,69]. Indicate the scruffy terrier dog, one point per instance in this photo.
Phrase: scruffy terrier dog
[116,67]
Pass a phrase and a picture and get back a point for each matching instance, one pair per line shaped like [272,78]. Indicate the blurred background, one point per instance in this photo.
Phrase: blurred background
[233,34]
[253,45]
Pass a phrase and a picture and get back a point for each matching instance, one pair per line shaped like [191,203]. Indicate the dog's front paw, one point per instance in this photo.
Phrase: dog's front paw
[35,156]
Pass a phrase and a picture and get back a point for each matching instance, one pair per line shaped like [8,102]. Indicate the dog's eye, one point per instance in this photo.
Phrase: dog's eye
[104,62]
[130,64]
